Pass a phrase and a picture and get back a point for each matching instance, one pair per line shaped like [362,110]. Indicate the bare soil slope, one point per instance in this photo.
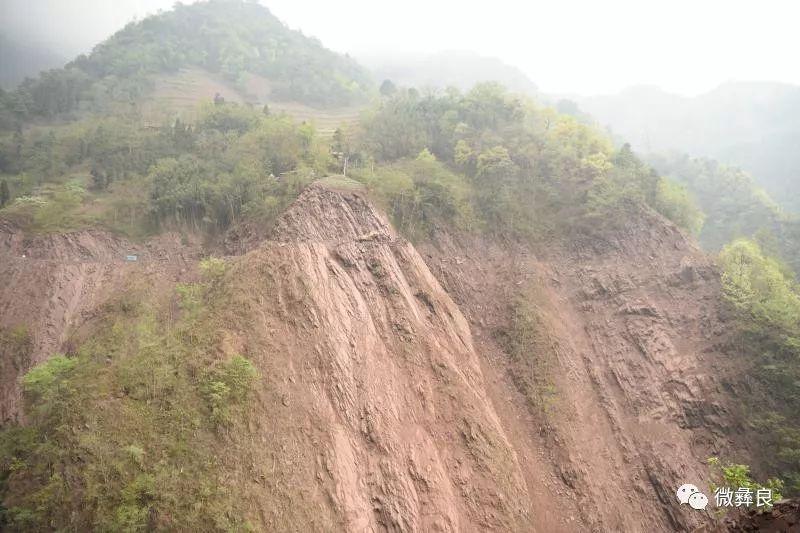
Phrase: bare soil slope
[53,283]
[381,407]
[374,410]
[640,389]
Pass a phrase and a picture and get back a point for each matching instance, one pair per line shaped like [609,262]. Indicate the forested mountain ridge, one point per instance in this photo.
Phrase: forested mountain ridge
[750,125]
[230,39]
[733,204]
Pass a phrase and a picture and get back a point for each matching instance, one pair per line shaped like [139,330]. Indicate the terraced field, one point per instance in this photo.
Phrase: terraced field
[183,91]
[325,120]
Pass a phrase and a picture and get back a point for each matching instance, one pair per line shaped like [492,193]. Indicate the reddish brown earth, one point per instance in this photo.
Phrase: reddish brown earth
[53,283]
[784,517]
[372,377]
[641,378]
[388,401]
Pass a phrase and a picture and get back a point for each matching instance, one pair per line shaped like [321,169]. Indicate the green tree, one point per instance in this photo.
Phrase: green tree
[388,88]
[674,202]
[766,301]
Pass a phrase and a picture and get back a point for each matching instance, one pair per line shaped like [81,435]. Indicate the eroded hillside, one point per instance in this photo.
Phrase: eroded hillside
[371,374]
[393,394]
[628,389]
[52,283]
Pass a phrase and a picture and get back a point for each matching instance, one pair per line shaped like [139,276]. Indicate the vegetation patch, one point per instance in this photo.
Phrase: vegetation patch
[532,350]
[735,476]
[765,298]
[341,183]
[16,346]
[129,433]
[495,162]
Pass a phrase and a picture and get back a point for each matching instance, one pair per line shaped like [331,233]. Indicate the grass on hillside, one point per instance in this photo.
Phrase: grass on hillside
[341,183]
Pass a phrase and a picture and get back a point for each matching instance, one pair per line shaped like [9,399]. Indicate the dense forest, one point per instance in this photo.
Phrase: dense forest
[480,159]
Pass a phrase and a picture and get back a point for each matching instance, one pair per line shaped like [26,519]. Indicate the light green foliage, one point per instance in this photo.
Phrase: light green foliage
[40,381]
[228,387]
[53,210]
[760,286]
[190,297]
[124,436]
[734,206]
[226,118]
[341,183]
[213,268]
[529,170]
[419,193]
[674,202]
[766,300]
[239,374]
[737,476]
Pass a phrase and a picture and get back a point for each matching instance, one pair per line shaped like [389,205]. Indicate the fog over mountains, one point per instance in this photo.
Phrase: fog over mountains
[753,125]
[456,68]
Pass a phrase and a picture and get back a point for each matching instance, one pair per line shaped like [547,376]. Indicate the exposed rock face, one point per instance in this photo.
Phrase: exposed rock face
[642,382]
[52,283]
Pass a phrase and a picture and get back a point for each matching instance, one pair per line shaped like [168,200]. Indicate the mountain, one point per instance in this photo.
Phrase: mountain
[235,44]
[380,395]
[733,205]
[21,61]
[498,320]
[750,125]
[459,69]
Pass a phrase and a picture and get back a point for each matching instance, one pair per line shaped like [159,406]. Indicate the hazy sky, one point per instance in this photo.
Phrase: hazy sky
[565,46]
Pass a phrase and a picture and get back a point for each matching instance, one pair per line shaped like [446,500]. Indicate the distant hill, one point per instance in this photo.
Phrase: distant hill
[733,204]
[448,69]
[22,60]
[231,40]
[752,125]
